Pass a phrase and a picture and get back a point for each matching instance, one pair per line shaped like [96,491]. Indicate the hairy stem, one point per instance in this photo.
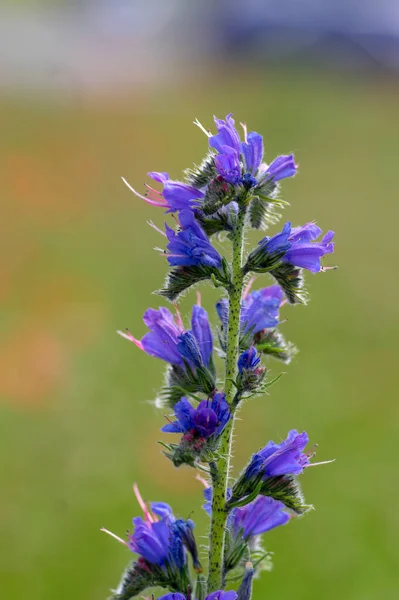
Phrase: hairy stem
[220,470]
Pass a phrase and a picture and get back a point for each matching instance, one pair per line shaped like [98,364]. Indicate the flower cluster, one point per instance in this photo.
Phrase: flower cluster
[233,189]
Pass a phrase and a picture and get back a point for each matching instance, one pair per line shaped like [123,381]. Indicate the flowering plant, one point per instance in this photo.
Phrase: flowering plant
[232,190]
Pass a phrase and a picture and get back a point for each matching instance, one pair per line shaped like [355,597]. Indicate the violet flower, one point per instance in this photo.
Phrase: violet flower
[208,418]
[190,246]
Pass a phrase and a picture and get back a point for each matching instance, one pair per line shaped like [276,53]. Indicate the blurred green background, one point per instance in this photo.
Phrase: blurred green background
[78,426]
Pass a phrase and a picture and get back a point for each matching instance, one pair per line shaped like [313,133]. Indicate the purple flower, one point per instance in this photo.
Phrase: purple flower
[282,167]
[248,360]
[219,595]
[297,246]
[286,458]
[252,151]
[169,342]
[227,143]
[175,195]
[190,246]
[304,251]
[257,517]
[207,419]
[259,309]
[227,135]
[228,165]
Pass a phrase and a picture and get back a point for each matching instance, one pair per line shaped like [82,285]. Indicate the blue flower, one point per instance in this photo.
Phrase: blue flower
[297,246]
[304,251]
[227,135]
[286,458]
[163,543]
[282,167]
[257,517]
[227,143]
[252,151]
[219,595]
[209,418]
[241,162]
[175,195]
[228,165]
[259,310]
[169,342]
[190,246]
[248,360]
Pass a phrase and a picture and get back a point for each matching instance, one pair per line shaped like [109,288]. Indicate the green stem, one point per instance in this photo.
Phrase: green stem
[220,470]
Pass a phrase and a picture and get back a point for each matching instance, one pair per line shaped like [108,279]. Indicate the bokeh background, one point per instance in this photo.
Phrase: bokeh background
[94,90]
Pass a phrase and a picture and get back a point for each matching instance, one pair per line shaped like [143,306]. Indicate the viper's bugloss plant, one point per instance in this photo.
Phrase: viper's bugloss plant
[231,191]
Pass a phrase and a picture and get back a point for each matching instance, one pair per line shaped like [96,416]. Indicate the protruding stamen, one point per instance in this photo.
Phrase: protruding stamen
[148,200]
[244,127]
[199,298]
[324,462]
[116,537]
[128,336]
[323,269]
[147,515]
[149,187]
[248,287]
[202,480]
[198,124]
[178,316]
[151,224]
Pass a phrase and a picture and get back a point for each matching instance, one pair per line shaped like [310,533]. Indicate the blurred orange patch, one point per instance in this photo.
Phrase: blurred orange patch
[33,364]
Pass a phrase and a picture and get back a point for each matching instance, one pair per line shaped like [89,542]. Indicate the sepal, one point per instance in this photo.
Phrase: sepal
[263,212]
[272,343]
[180,279]
[200,175]
[134,580]
[223,219]
[284,488]
[290,279]
[192,451]
[180,382]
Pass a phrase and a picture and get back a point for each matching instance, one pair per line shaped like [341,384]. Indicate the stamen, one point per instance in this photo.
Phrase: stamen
[151,224]
[131,338]
[324,269]
[178,316]
[152,202]
[202,480]
[147,515]
[157,192]
[243,125]
[198,124]
[199,298]
[116,537]
[248,287]
[324,462]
